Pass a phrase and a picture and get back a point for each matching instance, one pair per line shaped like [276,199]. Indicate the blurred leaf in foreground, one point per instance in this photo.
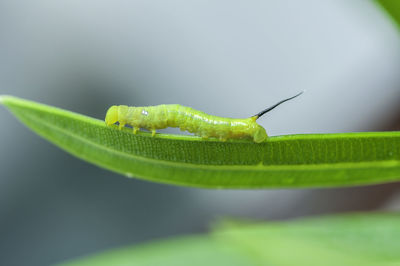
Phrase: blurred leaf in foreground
[357,239]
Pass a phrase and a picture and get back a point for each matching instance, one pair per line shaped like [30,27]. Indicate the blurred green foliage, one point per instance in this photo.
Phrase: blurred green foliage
[392,7]
[357,239]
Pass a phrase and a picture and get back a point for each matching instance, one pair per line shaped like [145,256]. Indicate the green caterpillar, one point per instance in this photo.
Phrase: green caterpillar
[186,118]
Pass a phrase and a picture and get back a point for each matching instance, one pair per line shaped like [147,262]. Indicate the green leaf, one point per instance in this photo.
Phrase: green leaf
[392,7]
[361,239]
[282,161]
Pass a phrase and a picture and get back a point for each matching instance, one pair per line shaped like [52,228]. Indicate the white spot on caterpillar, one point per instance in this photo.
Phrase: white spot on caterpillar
[144,112]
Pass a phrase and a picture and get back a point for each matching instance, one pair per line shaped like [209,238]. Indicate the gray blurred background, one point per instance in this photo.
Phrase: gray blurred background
[228,58]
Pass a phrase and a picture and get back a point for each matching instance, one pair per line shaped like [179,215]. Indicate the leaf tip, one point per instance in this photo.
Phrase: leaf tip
[5,98]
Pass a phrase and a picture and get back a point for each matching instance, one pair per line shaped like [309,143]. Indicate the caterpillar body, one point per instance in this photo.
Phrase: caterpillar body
[186,118]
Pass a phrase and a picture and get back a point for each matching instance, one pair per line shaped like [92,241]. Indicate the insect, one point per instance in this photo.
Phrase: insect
[186,118]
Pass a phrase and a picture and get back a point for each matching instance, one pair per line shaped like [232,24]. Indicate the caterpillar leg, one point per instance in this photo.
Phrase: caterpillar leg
[153,132]
[135,130]
[121,125]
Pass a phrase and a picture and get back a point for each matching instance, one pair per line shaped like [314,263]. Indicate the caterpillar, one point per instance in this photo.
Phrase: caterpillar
[186,118]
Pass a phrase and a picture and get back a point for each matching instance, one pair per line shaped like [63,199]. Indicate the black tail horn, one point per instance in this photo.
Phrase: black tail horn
[275,105]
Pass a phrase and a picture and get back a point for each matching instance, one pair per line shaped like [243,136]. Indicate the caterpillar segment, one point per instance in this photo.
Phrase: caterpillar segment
[189,119]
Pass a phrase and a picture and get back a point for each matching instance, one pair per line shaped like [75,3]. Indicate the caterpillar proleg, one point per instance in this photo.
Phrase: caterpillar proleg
[186,118]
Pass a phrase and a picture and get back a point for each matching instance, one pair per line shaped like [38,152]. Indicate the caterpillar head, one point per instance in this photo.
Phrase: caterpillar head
[112,115]
[259,134]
